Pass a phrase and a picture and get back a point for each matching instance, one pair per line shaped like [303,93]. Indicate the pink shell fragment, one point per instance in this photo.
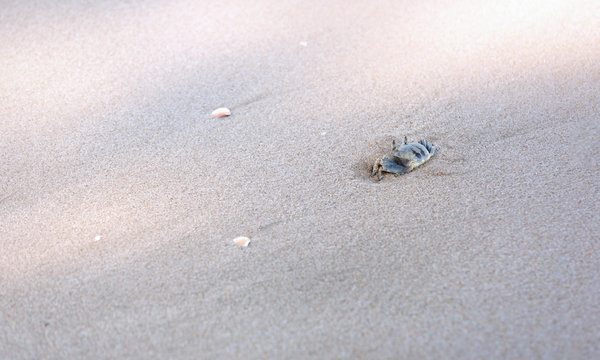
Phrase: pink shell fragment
[242,241]
[221,112]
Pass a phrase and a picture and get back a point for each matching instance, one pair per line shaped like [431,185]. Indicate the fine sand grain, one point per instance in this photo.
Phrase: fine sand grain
[120,195]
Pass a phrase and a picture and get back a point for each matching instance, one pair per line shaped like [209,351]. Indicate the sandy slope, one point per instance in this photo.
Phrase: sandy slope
[488,251]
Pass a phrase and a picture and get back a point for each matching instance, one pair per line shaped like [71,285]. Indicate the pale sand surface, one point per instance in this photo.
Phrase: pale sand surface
[120,196]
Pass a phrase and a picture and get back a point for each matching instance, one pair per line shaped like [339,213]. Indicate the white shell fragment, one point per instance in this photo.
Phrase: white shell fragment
[303,43]
[221,112]
[242,241]
[97,238]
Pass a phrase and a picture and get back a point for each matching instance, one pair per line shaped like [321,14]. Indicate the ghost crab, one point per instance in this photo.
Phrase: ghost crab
[404,159]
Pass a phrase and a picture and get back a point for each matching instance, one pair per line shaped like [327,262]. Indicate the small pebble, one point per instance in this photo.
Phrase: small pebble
[303,43]
[221,112]
[97,238]
[242,241]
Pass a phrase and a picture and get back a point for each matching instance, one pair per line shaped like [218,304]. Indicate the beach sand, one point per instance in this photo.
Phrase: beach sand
[120,196]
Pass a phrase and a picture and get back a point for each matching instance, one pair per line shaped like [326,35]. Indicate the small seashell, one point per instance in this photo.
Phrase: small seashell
[242,241]
[221,112]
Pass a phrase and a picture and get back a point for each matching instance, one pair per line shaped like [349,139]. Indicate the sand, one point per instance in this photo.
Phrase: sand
[120,196]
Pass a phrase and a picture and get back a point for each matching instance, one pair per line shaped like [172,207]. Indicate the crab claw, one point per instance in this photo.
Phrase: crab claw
[376,168]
